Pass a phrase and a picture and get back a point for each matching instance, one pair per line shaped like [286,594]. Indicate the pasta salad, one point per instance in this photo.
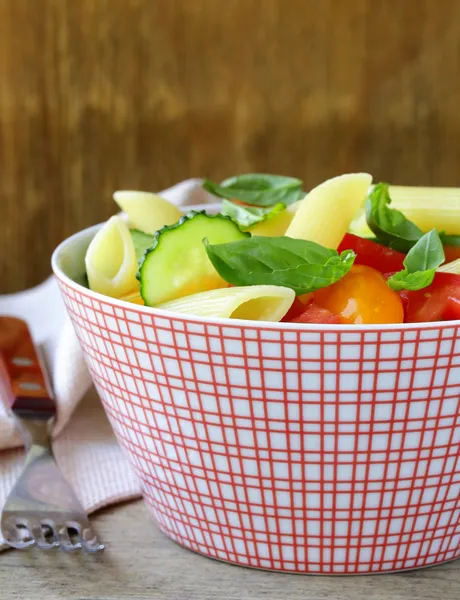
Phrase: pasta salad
[347,252]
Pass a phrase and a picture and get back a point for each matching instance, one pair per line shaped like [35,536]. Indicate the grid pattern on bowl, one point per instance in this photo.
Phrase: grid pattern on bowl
[306,451]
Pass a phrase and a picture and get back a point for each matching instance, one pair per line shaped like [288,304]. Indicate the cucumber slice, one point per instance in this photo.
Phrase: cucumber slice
[177,264]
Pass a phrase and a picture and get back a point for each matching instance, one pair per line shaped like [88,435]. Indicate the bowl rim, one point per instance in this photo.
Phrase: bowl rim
[223,321]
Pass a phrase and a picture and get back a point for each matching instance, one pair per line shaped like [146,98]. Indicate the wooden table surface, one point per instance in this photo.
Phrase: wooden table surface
[140,563]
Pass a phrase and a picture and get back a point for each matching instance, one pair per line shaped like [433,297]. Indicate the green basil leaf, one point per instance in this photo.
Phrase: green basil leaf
[421,263]
[258,189]
[142,241]
[390,226]
[300,265]
[426,254]
[247,216]
[449,240]
[411,281]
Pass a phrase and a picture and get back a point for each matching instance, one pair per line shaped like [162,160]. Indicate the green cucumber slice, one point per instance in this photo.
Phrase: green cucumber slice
[177,264]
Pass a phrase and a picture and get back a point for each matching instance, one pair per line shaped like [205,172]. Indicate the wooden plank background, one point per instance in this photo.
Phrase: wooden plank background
[102,94]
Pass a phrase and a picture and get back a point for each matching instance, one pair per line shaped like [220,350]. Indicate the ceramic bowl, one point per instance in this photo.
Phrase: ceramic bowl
[305,448]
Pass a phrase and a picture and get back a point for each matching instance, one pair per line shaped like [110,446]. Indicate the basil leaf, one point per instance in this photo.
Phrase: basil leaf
[390,226]
[300,265]
[427,253]
[142,241]
[449,240]
[258,189]
[246,216]
[411,281]
[421,263]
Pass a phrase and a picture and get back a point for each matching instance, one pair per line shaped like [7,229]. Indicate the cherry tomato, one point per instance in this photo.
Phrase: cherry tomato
[362,296]
[437,302]
[305,298]
[452,310]
[451,253]
[312,313]
[373,255]
[297,308]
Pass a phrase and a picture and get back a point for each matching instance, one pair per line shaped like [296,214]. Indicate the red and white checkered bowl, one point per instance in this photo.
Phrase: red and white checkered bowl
[313,449]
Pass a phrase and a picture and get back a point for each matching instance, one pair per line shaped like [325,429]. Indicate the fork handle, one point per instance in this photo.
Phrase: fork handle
[23,379]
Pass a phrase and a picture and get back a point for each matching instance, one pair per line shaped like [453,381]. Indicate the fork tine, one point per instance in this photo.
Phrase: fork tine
[48,524]
[64,539]
[18,543]
[74,529]
[40,539]
[23,537]
[90,541]
[38,533]
[86,537]
[11,533]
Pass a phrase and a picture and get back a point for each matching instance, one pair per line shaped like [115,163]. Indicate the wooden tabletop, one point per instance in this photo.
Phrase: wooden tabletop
[140,563]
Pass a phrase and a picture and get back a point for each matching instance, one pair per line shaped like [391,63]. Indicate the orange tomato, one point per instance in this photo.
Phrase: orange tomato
[362,296]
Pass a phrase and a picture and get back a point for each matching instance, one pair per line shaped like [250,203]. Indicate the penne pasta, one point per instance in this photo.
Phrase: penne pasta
[359,225]
[429,207]
[325,214]
[257,302]
[134,297]
[146,211]
[278,224]
[110,260]
[450,267]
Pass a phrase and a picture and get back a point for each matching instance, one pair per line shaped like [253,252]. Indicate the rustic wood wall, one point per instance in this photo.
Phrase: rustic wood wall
[101,94]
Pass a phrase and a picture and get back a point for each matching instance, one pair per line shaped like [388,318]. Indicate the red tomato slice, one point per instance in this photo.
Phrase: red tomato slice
[452,312]
[297,308]
[373,255]
[451,253]
[315,314]
[438,302]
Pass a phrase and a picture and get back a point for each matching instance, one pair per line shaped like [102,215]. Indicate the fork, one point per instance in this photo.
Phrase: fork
[42,509]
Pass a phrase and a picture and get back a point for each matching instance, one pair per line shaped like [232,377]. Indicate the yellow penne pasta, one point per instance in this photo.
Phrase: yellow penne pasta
[146,211]
[134,297]
[325,214]
[110,260]
[277,225]
[255,302]
[450,267]
[429,207]
[359,225]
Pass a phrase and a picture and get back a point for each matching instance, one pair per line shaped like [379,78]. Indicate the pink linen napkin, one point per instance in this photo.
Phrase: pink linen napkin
[84,446]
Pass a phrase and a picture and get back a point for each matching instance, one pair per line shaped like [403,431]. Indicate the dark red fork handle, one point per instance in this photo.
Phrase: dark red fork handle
[23,381]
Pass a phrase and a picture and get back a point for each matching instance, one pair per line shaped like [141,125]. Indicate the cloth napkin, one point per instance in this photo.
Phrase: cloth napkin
[85,447]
